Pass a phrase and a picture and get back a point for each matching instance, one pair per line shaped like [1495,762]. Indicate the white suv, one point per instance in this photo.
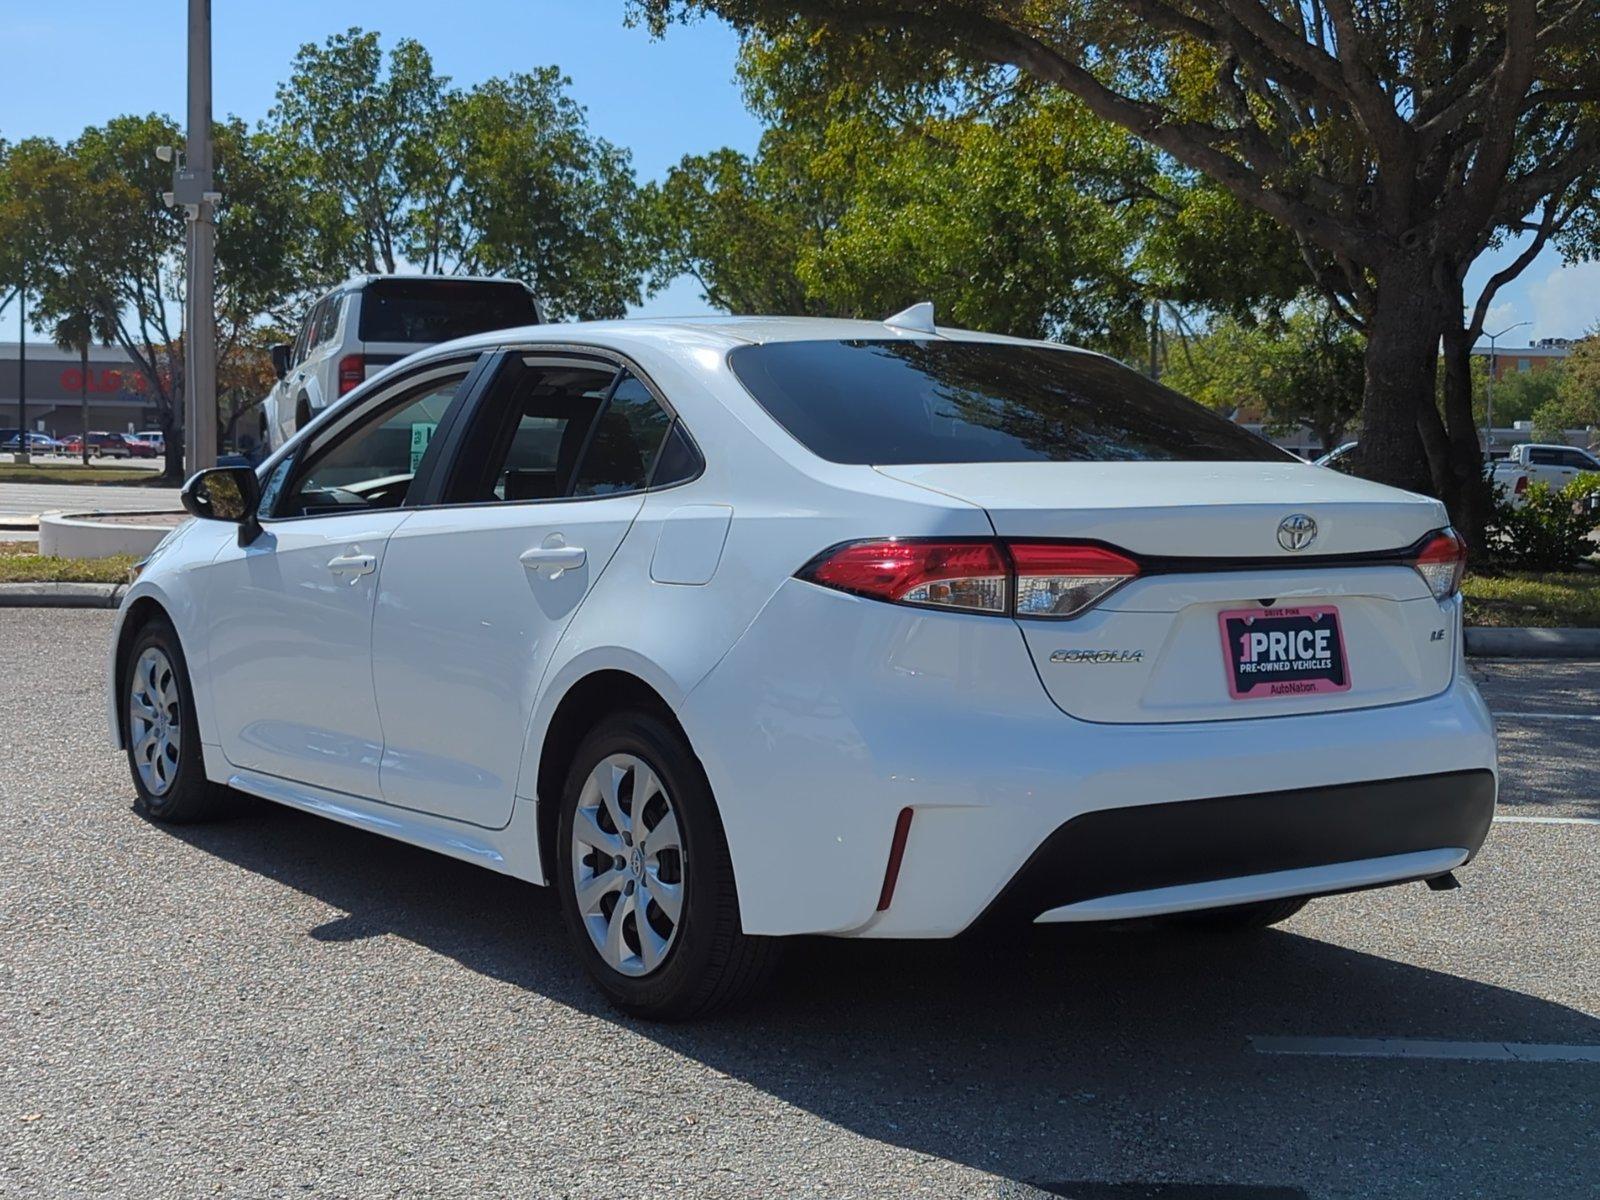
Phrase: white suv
[367,324]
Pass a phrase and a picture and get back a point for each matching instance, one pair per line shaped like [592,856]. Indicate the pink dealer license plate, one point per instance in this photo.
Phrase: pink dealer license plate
[1283,652]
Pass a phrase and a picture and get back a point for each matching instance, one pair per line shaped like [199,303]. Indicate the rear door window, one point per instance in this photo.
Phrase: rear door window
[438,310]
[931,401]
[625,444]
[530,431]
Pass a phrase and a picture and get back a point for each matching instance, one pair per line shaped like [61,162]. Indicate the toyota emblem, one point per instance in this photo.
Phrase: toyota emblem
[1296,532]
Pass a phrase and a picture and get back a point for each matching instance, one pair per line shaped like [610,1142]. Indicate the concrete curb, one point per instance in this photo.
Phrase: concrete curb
[61,595]
[103,534]
[1484,641]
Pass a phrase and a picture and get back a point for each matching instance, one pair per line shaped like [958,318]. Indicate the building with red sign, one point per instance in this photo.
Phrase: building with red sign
[117,392]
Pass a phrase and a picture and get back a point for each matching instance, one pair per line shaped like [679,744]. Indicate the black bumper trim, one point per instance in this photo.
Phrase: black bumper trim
[1117,850]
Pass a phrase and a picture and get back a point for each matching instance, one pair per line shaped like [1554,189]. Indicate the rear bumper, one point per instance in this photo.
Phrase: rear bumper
[1154,858]
[832,714]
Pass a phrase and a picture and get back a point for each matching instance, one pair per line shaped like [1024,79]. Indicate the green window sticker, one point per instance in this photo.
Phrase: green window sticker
[421,435]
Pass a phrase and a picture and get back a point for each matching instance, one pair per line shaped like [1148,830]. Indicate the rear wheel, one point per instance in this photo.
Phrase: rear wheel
[163,739]
[1242,917]
[645,879]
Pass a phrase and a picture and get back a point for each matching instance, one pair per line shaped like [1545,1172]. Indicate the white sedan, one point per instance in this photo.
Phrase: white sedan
[735,629]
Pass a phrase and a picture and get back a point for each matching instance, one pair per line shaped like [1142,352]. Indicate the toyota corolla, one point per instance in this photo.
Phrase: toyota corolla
[736,629]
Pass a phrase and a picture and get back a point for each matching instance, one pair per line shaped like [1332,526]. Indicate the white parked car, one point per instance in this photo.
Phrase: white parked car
[155,437]
[366,324]
[735,629]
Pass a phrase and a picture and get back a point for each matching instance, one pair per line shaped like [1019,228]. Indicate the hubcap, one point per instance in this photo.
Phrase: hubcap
[155,724]
[628,864]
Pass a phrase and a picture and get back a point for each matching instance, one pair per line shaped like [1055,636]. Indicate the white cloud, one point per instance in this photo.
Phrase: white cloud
[1566,302]
[1501,315]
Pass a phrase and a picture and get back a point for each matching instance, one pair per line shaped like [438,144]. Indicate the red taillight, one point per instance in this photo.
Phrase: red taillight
[1442,562]
[1029,579]
[352,372]
[962,575]
[1522,485]
[1059,579]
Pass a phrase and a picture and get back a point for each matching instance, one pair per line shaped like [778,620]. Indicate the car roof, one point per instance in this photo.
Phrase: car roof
[729,331]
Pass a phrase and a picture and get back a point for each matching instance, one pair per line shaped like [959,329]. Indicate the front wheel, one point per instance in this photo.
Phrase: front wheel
[163,738]
[645,878]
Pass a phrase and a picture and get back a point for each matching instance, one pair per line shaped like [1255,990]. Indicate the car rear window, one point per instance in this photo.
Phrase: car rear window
[905,401]
[437,310]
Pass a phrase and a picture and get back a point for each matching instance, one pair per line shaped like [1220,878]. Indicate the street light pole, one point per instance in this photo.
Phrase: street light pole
[1488,403]
[192,188]
[22,455]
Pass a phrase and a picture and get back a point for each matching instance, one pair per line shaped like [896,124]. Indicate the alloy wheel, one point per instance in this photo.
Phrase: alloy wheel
[628,864]
[155,720]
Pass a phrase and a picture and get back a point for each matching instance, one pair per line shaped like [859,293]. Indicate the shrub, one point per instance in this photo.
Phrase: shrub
[1549,531]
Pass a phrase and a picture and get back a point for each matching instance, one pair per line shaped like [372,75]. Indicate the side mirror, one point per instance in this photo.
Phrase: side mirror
[225,494]
[280,358]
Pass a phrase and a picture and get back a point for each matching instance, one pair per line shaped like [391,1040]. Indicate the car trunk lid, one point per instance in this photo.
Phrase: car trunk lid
[1206,536]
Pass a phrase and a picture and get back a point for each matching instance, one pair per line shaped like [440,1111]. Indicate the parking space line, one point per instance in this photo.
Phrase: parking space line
[1342,1047]
[1515,820]
[1548,716]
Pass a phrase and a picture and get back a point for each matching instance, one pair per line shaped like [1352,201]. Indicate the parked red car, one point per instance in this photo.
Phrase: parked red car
[107,445]
[137,447]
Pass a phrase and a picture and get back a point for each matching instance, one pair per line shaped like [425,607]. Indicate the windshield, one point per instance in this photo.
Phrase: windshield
[898,402]
[426,311]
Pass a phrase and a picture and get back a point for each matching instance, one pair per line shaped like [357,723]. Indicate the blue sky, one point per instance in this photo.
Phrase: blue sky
[70,63]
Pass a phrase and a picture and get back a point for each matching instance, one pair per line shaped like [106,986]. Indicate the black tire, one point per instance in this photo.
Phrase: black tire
[711,964]
[183,793]
[1241,918]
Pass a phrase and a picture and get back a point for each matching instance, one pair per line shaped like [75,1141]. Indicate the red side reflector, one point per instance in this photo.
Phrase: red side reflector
[897,850]
[352,372]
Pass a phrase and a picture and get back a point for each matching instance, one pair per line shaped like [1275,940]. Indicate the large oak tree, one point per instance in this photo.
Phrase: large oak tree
[1394,139]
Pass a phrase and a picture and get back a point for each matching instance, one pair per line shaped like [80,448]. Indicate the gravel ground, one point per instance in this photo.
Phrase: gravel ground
[279,1006]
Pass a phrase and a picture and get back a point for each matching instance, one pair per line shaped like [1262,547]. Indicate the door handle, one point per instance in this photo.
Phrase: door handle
[557,558]
[354,565]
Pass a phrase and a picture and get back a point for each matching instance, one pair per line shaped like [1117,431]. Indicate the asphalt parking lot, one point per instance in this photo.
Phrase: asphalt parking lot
[280,1006]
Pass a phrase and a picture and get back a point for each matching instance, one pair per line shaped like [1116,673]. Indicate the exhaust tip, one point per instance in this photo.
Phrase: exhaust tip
[1443,883]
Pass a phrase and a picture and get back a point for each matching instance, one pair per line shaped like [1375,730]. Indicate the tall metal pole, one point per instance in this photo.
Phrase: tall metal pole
[21,455]
[1488,402]
[200,333]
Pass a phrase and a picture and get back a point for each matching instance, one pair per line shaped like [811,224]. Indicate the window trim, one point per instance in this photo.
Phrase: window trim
[555,353]
[355,415]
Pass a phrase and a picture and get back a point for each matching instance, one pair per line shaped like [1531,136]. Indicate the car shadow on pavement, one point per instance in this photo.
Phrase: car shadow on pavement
[1103,1064]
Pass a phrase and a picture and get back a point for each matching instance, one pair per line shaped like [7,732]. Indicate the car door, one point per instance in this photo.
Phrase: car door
[543,478]
[291,625]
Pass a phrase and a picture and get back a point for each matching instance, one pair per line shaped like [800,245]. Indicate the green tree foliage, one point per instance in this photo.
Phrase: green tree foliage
[522,189]
[1392,141]
[1025,215]
[1576,403]
[106,254]
[1298,370]
[361,133]
[1517,395]
[400,171]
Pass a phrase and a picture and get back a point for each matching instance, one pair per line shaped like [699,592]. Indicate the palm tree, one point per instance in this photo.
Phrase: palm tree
[85,323]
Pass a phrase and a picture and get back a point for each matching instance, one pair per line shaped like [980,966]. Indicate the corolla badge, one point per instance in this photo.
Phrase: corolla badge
[1097,656]
[1296,532]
